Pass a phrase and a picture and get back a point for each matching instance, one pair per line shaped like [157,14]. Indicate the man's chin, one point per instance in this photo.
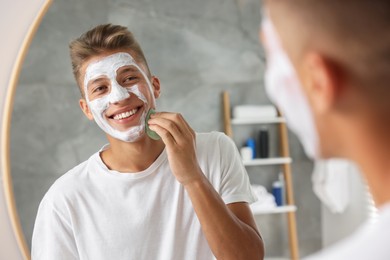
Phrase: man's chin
[140,136]
[123,129]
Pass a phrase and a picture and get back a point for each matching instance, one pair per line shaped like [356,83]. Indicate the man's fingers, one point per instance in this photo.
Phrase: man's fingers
[189,128]
[178,119]
[164,134]
[167,115]
[168,125]
[175,117]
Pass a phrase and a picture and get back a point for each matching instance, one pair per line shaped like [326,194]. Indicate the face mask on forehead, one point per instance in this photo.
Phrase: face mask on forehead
[99,97]
[284,89]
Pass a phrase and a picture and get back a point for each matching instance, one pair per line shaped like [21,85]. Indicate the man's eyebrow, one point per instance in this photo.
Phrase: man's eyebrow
[96,80]
[127,69]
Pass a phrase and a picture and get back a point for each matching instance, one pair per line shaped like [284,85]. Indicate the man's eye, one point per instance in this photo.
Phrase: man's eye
[129,79]
[99,89]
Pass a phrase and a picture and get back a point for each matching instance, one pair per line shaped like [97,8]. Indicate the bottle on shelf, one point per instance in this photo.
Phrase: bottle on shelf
[251,143]
[281,179]
[246,153]
[278,190]
[263,143]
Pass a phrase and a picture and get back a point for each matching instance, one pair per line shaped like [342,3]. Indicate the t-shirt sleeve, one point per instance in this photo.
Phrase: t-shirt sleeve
[53,235]
[235,185]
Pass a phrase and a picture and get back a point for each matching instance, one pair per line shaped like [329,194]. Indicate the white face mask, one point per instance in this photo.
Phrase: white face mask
[284,89]
[98,102]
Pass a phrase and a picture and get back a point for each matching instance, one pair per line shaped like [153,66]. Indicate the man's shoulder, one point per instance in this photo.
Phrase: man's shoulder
[210,138]
[214,147]
[214,141]
[68,183]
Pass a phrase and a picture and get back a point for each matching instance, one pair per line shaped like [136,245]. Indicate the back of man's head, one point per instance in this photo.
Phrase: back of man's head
[101,39]
[353,33]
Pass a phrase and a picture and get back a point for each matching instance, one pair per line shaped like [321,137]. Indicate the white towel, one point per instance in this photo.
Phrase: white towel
[331,183]
[264,199]
[252,111]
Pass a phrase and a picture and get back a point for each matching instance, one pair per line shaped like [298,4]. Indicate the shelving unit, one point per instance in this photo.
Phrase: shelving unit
[284,160]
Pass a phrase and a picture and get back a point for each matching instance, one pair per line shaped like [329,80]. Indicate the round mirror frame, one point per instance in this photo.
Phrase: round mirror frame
[16,46]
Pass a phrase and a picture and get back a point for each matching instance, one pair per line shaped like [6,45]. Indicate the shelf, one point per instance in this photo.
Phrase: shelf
[253,121]
[268,161]
[258,210]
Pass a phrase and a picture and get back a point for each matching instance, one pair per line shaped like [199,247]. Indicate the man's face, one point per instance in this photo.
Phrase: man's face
[309,87]
[118,94]
[284,89]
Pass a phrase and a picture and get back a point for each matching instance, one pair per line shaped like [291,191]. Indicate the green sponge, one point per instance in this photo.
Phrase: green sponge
[152,134]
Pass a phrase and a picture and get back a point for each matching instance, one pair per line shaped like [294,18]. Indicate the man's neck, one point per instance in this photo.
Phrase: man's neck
[131,157]
[371,150]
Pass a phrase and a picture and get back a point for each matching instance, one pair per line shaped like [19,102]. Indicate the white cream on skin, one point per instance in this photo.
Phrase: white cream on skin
[107,68]
[284,89]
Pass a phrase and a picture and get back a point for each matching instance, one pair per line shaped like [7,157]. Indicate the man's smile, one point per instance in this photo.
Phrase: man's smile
[125,115]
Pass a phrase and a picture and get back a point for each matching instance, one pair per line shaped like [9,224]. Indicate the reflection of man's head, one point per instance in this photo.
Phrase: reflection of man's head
[353,34]
[340,51]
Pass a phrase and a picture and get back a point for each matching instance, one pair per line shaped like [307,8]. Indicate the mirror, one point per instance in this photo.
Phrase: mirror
[196,48]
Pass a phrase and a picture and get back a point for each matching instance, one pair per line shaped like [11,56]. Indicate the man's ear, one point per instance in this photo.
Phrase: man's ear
[321,79]
[85,108]
[156,87]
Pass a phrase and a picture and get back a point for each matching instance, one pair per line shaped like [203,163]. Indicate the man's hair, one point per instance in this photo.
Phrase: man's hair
[102,38]
[355,32]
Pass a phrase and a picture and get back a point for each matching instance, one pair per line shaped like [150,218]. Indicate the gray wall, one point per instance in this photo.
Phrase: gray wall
[197,48]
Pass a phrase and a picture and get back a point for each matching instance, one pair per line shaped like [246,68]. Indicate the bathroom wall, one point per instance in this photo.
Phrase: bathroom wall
[197,48]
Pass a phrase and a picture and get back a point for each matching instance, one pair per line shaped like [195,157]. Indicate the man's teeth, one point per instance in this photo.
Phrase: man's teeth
[125,114]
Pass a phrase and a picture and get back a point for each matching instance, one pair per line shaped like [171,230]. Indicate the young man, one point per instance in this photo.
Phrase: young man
[184,196]
[329,72]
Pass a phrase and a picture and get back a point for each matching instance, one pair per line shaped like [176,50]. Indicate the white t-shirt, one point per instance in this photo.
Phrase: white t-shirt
[369,242]
[95,213]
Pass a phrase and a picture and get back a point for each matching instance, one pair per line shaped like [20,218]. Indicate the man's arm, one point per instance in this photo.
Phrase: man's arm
[229,229]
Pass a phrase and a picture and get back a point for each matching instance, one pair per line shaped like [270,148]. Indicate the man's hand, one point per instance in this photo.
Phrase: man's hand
[179,139]
[230,230]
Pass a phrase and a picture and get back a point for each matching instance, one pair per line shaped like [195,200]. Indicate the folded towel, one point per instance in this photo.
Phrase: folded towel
[252,111]
[264,199]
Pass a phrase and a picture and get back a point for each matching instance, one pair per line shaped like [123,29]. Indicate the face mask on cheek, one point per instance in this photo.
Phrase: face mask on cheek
[108,68]
[284,89]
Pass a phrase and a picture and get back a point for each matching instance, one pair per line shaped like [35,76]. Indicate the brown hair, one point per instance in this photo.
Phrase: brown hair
[357,30]
[355,33]
[102,38]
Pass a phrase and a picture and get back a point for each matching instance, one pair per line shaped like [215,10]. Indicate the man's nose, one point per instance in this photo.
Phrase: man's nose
[118,93]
